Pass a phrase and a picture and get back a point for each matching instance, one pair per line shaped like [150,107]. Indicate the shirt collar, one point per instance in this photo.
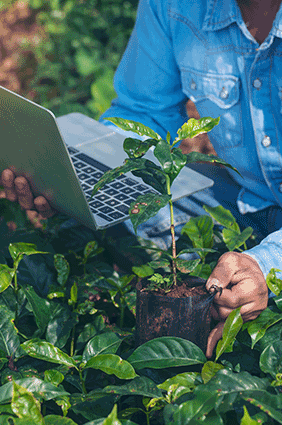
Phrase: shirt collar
[220,14]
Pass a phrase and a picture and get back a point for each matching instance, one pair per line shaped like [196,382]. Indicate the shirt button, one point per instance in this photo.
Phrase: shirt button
[257,83]
[224,93]
[266,141]
[193,85]
[280,188]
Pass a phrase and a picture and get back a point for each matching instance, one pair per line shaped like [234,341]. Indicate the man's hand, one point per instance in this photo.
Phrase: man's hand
[17,189]
[243,284]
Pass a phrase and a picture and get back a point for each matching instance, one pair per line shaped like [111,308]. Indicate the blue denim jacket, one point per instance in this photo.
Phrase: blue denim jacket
[202,50]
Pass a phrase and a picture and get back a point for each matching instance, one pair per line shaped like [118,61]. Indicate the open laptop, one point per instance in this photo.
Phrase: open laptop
[63,158]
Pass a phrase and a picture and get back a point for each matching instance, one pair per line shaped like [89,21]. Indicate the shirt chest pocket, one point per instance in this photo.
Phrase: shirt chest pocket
[216,95]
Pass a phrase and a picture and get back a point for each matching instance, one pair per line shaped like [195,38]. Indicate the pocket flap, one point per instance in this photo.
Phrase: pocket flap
[220,89]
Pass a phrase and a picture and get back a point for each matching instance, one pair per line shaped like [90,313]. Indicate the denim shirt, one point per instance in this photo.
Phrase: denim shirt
[202,50]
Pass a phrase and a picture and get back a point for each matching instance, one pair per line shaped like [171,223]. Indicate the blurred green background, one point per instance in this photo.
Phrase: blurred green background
[77,50]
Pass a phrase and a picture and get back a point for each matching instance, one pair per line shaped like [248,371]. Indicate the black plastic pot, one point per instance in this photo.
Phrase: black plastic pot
[186,317]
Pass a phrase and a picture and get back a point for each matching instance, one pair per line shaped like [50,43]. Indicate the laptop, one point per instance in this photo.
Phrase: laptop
[63,158]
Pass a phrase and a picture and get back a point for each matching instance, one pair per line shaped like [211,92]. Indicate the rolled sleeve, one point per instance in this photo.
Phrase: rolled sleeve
[147,81]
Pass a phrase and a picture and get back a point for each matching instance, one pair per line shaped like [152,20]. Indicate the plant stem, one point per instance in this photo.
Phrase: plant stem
[16,289]
[82,382]
[172,231]
[72,342]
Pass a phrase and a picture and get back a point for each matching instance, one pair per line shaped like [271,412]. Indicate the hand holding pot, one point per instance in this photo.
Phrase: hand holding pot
[243,284]
[17,189]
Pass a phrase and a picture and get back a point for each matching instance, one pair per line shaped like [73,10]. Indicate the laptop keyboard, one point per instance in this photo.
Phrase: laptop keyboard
[113,200]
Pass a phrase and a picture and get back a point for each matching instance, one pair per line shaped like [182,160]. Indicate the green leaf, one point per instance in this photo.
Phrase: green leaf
[43,350]
[106,343]
[58,420]
[134,126]
[201,157]
[247,420]
[200,231]
[19,249]
[90,330]
[145,207]
[268,403]
[257,327]
[40,389]
[9,339]
[6,277]
[91,249]
[53,376]
[209,370]
[153,176]
[273,283]
[63,269]
[193,127]
[271,359]
[186,266]
[112,365]
[163,263]
[180,384]
[143,271]
[141,385]
[222,216]
[25,405]
[73,293]
[130,164]
[166,352]
[231,327]
[40,307]
[163,154]
[112,419]
[60,325]
[136,148]
[234,240]
[179,161]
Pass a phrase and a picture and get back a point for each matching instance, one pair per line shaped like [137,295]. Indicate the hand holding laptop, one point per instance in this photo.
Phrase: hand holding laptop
[17,189]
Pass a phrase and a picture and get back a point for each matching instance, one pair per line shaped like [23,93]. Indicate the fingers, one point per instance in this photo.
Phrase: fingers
[214,337]
[43,206]
[7,180]
[23,192]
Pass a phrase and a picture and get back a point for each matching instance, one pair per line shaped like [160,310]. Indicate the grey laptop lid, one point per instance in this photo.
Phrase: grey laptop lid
[39,147]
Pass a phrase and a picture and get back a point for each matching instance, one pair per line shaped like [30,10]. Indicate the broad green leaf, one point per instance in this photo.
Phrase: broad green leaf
[197,250]
[141,385]
[134,126]
[44,350]
[64,404]
[247,420]
[268,403]
[273,283]
[25,405]
[201,157]
[53,376]
[19,249]
[9,339]
[180,384]
[193,127]
[136,148]
[73,293]
[106,343]
[231,327]
[92,249]
[112,365]
[179,161]
[195,409]
[222,216]
[93,405]
[154,177]
[186,266]
[143,271]
[130,164]
[163,154]
[209,370]
[257,327]
[278,301]
[200,231]
[166,352]
[112,419]
[6,277]
[58,420]
[63,269]
[234,240]
[163,263]
[40,307]
[90,330]
[40,389]
[271,359]
[145,207]
[60,325]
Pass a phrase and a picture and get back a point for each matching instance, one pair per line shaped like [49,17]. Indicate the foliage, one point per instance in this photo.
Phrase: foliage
[63,360]
[78,52]
[160,178]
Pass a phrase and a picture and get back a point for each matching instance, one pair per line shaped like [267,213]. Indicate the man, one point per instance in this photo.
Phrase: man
[225,56]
